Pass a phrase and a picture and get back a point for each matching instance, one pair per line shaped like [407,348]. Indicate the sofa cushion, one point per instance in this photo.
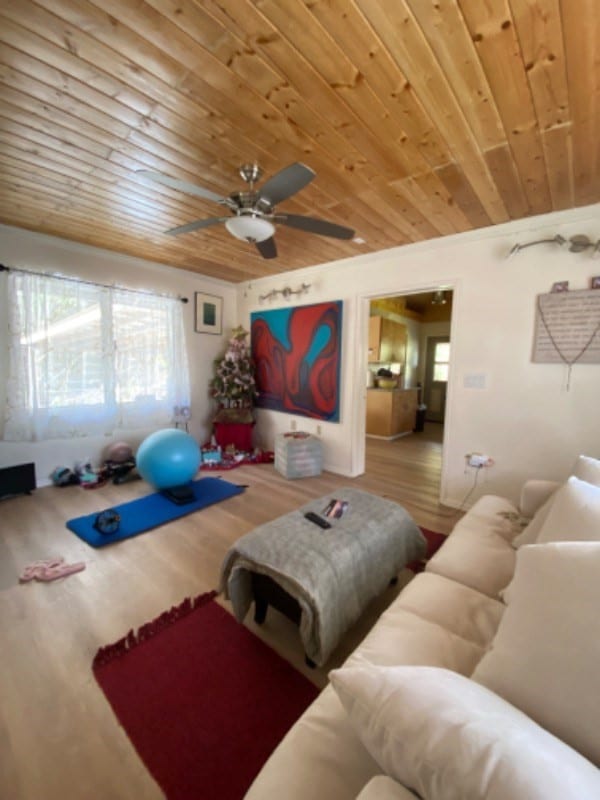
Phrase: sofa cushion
[574,514]
[383,788]
[544,658]
[448,738]
[492,513]
[476,557]
[401,637]
[463,611]
[320,756]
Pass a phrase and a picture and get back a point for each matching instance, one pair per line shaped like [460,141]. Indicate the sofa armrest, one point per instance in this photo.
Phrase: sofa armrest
[534,494]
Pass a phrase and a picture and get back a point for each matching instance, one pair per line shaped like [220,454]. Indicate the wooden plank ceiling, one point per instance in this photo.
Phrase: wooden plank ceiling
[421,118]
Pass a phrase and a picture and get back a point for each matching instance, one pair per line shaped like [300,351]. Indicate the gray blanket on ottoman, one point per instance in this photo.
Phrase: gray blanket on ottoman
[333,574]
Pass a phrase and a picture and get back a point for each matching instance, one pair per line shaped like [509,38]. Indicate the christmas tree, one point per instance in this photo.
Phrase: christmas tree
[234,385]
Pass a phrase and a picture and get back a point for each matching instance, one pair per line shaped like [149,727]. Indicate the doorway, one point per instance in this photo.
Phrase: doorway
[426,314]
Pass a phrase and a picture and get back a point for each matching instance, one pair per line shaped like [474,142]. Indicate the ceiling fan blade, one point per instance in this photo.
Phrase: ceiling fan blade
[286,183]
[267,248]
[194,226]
[183,186]
[311,225]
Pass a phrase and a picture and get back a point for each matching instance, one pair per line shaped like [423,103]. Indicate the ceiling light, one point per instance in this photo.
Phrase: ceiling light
[439,298]
[249,228]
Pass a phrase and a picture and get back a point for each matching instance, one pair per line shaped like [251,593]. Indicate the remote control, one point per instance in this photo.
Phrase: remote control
[322,523]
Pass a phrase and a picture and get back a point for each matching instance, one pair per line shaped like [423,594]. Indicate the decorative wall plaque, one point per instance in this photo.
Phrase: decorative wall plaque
[567,328]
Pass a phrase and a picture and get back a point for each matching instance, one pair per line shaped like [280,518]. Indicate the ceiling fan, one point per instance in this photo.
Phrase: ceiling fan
[253,211]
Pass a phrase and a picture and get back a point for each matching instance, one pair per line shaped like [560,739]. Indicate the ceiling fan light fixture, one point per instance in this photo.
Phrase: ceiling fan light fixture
[249,228]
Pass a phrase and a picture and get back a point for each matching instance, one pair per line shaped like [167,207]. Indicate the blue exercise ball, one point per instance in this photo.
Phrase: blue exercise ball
[168,458]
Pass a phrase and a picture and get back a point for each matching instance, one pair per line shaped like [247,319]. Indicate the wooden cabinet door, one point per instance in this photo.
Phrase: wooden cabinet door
[400,342]
[379,413]
[405,411]
[374,338]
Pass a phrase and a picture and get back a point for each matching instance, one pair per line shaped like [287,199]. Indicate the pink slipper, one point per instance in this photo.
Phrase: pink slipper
[33,570]
[59,571]
[49,570]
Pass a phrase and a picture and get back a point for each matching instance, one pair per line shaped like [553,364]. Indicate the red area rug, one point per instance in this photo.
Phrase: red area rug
[203,700]
[434,542]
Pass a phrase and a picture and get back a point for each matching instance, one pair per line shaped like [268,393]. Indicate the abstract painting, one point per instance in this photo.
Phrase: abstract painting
[297,354]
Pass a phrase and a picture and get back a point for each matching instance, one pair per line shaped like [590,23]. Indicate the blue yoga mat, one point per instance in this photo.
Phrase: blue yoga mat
[149,512]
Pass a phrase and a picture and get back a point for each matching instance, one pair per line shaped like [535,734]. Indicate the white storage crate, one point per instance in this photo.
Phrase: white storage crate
[298,455]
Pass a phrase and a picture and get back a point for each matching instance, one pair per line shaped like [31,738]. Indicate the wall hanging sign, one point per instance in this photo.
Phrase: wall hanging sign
[208,313]
[297,356]
[567,328]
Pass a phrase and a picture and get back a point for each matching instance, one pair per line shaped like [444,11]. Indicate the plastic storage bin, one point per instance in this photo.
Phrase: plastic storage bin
[298,455]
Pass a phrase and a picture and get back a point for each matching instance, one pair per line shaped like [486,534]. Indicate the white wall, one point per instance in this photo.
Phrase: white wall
[20,248]
[524,417]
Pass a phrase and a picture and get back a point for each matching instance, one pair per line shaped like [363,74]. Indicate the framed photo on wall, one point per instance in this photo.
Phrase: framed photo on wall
[208,313]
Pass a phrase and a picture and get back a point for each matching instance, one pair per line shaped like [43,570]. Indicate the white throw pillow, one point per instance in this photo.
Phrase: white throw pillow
[574,515]
[586,469]
[545,657]
[448,738]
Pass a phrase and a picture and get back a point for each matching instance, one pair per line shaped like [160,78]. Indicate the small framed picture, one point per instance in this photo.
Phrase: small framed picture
[595,282]
[560,286]
[208,313]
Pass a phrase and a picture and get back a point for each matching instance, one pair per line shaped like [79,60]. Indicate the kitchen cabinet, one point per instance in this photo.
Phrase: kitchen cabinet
[391,412]
[387,340]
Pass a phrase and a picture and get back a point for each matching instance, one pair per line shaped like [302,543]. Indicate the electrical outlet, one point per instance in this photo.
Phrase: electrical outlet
[478,460]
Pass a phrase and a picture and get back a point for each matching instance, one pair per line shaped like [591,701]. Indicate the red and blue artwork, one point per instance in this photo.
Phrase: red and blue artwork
[297,355]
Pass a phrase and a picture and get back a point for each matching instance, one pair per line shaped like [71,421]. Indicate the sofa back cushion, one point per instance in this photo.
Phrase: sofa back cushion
[545,656]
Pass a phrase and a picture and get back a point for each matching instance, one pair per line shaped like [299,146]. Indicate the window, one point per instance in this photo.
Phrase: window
[89,360]
[441,360]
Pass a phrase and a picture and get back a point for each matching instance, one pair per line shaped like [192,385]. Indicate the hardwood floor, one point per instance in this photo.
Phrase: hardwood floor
[58,736]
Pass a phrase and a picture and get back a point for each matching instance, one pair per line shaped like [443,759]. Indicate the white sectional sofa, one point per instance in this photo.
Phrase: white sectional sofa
[481,680]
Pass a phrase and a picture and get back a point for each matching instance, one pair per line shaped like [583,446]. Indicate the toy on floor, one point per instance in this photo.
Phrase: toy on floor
[88,478]
[119,463]
[49,570]
[63,476]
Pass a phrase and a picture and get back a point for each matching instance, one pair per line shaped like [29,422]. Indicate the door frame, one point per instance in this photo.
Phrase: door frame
[358,385]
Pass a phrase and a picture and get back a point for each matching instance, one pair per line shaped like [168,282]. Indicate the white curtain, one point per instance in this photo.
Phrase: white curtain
[89,360]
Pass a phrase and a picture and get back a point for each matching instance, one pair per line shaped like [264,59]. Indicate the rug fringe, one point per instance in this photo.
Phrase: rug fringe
[122,646]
